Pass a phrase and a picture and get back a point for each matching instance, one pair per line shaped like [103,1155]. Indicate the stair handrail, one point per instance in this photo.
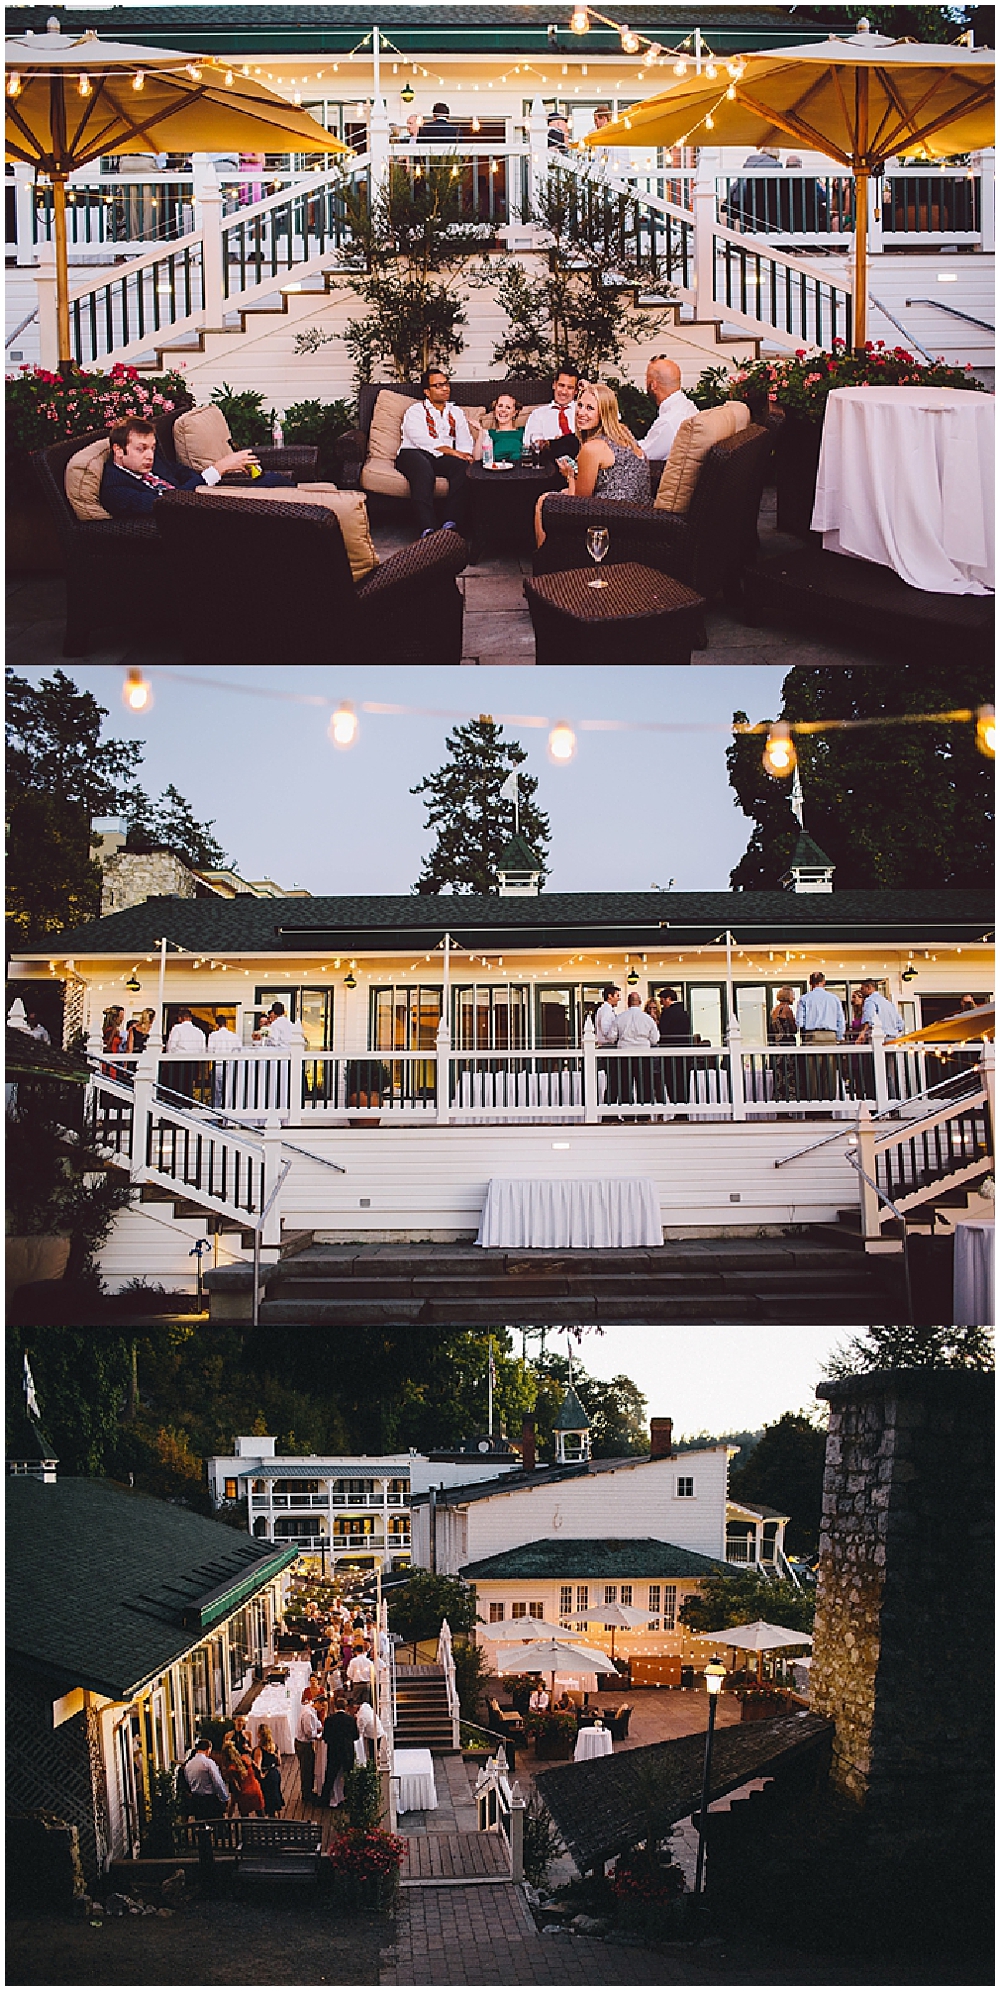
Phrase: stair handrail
[446,1661]
[891,1112]
[855,1163]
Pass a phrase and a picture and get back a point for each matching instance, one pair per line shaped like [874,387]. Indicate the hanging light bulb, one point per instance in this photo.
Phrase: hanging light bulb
[711,71]
[343,727]
[562,743]
[195,73]
[229,79]
[630,42]
[579,21]
[138,80]
[986,731]
[731,92]
[476,126]
[13,84]
[137,692]
[680,67]
[710,122]
[84,86]
[779,754]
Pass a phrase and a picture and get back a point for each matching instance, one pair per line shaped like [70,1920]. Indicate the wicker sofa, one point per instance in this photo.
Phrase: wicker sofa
[114,567]
[273,585]
[385,486]
[708,548]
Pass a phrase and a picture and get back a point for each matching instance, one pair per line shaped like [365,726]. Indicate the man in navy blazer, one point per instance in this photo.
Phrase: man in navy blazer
[138,472]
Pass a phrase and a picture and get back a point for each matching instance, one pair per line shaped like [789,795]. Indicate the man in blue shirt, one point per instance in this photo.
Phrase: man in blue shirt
[138,472]
[880,1007]
[819,1015]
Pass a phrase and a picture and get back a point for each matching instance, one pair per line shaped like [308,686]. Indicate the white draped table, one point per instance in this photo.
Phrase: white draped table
[592,1742]
[973,1287]
[415,1770]
[277,1706]
[574,1212]
[906,480]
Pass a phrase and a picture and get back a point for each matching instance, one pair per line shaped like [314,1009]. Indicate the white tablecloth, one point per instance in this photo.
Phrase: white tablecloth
[571,1212]
[906,480]
[415,1771]
[281,1719]
[592,1742]
[973,1293]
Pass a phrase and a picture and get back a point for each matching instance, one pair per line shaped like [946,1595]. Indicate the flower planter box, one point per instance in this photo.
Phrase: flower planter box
[796,462]
[32,542]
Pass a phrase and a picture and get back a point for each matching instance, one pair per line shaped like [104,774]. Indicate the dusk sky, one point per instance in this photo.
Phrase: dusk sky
[632,809]
[713,1378]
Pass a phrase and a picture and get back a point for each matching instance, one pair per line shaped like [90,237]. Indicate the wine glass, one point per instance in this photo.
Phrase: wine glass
[598,541]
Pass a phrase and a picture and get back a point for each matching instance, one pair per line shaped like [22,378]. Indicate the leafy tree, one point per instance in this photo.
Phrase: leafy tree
[582,307]
[913,1348]
[785,1470]
[743,1598]
[743,1443]
[81,1377]
[60,773]
[170,824]
[465,808]
[928,824]
[417,1607]
[408,260]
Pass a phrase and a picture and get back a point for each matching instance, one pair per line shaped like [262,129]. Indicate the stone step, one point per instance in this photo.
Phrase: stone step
[866,1306]
[833,1277]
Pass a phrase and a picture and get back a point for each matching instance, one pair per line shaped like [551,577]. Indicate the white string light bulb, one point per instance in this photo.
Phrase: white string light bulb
[343,727]
[137,692]
[83,86]
[562,743]
[138,81]
[779,754]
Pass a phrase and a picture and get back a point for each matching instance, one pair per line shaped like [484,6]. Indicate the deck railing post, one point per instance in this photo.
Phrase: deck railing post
[24,213]
[538,153]
[296,1100]
[870,1227]
[517,1810]
[986,163]
[881,1075]
[212,252]
[144,1083]
[270,1241]
[990,1081]
[443,1055]
[45,288]
[734,1041]
[705,215]
[591,1104]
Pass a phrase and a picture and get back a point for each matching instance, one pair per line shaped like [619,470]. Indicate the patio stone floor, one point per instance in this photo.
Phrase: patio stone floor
[497,624]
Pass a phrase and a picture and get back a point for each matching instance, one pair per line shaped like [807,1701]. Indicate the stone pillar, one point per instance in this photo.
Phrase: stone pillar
[904,1608]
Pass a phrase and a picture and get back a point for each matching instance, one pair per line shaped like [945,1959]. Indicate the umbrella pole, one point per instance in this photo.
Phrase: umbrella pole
[860,258]
[62,269]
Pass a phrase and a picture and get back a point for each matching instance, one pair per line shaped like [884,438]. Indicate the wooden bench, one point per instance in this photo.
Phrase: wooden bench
[278,1849]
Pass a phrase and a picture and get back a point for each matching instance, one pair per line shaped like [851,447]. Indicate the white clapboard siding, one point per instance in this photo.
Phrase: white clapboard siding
[148,1242]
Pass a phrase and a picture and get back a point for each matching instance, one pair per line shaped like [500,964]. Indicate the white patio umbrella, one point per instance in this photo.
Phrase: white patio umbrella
[552,1656]
[505,1630]
[618,1617]
[860,99]
[760,1637]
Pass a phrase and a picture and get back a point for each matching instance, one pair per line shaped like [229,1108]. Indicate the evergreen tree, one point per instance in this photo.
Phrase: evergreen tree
[170,824]
[897,806]
[472,822]
[913,1348]
[785,1470]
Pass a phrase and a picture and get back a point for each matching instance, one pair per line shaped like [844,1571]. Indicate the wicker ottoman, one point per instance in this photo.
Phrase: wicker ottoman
[641,617]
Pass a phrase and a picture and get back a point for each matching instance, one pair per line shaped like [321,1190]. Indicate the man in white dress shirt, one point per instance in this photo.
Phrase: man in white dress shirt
[308,1732]
[186,1035]
[276,1031]
[558,417]
[606,1031]
[637,1031]
[663,382]
[436,442]
[222,1043]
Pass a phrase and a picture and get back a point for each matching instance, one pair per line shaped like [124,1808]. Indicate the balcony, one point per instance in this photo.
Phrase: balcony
[304,1503]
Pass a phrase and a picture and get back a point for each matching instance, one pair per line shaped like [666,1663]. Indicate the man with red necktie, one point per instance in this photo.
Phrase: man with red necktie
[555,424]
[436,442]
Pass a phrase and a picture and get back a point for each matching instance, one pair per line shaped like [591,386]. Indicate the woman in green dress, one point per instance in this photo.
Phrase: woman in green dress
[506,436]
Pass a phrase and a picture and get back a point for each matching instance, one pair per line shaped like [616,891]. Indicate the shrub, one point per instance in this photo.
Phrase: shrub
[636,407]
[363,1798]
[363,1856]
[644,1884]
[541,1841]
[44,408]
[470,1669]
[319,423]
[250,424]
[802,384]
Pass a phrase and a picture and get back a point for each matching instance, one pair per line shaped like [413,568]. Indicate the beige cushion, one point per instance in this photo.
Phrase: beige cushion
[690,446]
[380,475]
[83,479]
[386,432]
[201,437]
[349,506]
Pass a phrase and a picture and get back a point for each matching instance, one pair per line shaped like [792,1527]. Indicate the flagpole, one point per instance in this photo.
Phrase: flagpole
[489,1387]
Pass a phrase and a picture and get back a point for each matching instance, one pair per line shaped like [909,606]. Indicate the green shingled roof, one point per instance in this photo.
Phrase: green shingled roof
[519,856]
[106,1588]
[809,854]
[554,919]
[571,1415]
[595,1557]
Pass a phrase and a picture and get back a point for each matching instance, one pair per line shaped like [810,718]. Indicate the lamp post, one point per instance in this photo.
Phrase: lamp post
[714,1676]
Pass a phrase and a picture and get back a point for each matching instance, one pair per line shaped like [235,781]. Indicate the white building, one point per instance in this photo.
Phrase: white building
[349,1509]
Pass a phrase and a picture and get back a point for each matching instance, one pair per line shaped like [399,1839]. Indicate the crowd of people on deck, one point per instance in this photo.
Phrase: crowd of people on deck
[336,1728]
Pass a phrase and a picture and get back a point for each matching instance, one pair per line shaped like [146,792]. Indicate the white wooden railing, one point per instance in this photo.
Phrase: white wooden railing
[500,1808]
[446,1661]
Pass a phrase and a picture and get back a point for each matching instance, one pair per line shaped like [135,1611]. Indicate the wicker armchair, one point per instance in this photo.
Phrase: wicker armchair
[272,584]
[708,547]
[114,567]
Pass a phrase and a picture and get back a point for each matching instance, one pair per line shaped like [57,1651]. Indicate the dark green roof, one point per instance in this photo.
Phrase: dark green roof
[519,856]
[554,919]
[596,1557]
[571,1415]
[809,854]
[106,1588]
[484,28]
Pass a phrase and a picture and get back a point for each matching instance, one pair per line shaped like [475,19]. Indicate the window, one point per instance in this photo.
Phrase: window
[669,1606]
[405,1019]
[229,1490]
[655,1595]
[491,1018]
[685,1489]
[582,1605]
[496,1614]
[519,1610]
[536,1611]
[611,1593]
[565,1600]
[626,1594]
[398,1492]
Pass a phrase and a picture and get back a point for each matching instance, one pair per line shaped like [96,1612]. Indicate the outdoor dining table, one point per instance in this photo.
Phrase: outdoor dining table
[415,1770]
[973,1297]
[905,480]
[571,1212]
[592,1742]
[502,503]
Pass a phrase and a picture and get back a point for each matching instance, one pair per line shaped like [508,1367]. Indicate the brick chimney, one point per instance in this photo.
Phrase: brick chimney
[528,1445]
[661,1437]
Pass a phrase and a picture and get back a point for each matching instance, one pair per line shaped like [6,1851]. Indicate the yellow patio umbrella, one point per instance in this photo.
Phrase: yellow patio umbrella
[75,98]
[860,99]
[967,1024]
